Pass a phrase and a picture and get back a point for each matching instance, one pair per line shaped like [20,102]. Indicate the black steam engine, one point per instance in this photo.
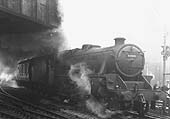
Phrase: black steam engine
[116,79]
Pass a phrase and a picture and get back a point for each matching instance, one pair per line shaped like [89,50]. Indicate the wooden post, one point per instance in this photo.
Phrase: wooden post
[168,100]
[164,107]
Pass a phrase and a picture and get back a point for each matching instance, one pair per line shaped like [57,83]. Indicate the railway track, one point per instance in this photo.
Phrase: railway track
[14,108]
[79,113]
[135,115]
[22,113]
[4,115]
[123,115]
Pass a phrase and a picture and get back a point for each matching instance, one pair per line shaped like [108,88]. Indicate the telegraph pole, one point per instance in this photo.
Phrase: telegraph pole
[166,54]
[164,59]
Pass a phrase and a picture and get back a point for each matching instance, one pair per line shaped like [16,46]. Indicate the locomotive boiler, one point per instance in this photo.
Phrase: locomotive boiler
[116,74]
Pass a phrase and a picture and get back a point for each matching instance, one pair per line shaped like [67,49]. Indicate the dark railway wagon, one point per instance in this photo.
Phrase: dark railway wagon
[116,74]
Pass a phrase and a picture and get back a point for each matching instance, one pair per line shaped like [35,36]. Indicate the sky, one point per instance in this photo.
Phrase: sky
[141,22]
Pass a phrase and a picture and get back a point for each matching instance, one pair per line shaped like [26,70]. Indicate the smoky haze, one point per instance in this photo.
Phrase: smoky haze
[15,47]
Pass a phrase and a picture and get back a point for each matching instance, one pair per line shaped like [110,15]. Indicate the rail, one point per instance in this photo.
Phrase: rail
[147,116]
[22,108]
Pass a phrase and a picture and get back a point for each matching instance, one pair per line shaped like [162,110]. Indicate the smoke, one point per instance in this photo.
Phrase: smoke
[14,47]
[97,108]
[7,73]
[25,45]
[8,67]
[79,74]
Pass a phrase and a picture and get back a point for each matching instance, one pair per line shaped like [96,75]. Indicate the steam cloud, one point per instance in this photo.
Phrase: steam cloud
[97,108]
[79,74]
[7,73]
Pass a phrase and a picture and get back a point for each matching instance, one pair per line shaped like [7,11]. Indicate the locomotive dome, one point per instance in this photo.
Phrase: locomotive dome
[129,59]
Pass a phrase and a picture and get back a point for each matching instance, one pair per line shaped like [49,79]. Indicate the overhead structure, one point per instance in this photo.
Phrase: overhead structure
[20,16]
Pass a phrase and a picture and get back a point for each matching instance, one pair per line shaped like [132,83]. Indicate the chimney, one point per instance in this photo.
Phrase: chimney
[119,41]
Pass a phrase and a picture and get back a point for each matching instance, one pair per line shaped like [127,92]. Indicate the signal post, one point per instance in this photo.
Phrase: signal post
[166,54]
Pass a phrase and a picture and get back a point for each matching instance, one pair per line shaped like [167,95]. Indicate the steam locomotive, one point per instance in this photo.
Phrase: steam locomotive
[116,79]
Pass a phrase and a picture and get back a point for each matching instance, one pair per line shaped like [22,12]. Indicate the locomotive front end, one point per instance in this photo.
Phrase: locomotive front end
[129,60]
